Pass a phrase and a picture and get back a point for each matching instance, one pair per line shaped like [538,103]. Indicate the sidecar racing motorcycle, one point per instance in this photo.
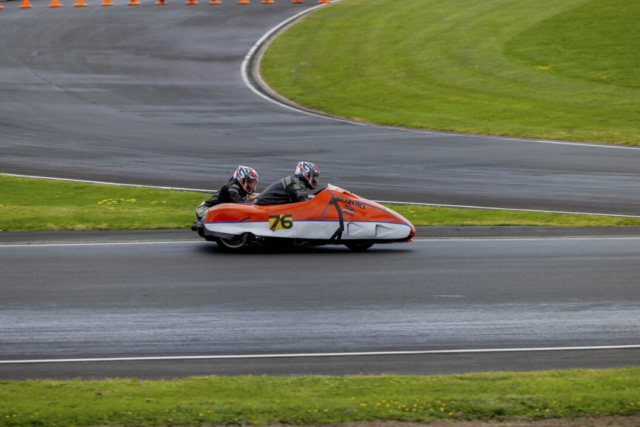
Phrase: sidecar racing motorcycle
[332,217]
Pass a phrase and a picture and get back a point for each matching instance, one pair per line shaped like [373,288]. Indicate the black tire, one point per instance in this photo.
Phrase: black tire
[358,247]
[234,244]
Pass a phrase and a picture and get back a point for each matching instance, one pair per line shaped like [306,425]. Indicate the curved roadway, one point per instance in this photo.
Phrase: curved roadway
[153,95]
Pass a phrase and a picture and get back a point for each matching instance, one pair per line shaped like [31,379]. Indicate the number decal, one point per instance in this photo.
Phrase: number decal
[280,222]
[287,222]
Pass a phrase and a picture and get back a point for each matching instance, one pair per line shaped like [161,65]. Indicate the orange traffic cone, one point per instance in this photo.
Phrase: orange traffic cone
[267,1]
[55,3]
[161,3]
[215,2]
[190,2]
[1,6]
[324,1]
[106,3]
[133,3]
[25,5]
[296,2]
[243,2]
[80,3]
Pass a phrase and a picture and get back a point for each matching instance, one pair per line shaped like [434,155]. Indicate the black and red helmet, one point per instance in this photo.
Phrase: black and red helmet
[308,172]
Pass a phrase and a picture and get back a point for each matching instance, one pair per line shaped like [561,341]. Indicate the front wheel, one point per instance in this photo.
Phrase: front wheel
[358,247]
[233,244]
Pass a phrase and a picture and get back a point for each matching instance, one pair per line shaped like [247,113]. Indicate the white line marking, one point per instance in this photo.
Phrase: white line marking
[377,201]
[542,141]
[84,181]
[306,355]
[290,105]
[415,240]
[244,68]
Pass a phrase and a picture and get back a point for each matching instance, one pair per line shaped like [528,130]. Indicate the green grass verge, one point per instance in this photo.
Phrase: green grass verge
[32,204]
[529,68]
[421,215]
[313,399]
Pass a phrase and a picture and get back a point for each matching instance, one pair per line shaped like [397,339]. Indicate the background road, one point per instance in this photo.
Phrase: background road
[154,95]
[186,298]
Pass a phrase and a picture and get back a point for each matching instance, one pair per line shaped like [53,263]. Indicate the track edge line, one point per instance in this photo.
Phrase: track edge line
[310,355]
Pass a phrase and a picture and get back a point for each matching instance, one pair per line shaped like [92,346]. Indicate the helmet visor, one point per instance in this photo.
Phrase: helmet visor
[251,185]
[310,177]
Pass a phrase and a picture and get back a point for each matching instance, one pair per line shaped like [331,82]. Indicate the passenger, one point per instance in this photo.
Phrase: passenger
[291,189]
[237,190]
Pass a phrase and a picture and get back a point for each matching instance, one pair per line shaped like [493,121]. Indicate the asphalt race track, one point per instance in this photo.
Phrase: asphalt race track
[189,299]
[153,95]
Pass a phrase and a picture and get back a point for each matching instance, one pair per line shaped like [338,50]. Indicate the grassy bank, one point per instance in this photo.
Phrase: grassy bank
[529,68]
[433,216]
[32,204]
[312,399]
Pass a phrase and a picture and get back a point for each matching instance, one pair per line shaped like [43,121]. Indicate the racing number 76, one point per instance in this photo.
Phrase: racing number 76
[280,222]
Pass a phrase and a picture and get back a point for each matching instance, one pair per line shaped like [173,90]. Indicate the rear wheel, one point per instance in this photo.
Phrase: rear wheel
[358,247]
[233,244]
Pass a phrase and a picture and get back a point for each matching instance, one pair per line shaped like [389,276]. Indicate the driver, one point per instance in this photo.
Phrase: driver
[291,189]
[237,190]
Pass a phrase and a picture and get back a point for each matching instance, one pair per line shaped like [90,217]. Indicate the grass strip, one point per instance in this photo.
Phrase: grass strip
[319,399]
[433,216]
[28,204]
[528,68]
[34,204]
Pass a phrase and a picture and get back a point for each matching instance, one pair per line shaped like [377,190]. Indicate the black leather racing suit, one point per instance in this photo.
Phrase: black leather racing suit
[288,190]
[229,193]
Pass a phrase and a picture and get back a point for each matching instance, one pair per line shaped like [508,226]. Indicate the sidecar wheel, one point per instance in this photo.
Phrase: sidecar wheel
[233,244]
[358,247]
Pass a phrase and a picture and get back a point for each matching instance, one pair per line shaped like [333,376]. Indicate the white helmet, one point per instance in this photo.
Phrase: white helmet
[247,178]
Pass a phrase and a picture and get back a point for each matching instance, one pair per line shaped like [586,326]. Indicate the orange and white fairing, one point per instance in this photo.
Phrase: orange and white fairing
[333,214]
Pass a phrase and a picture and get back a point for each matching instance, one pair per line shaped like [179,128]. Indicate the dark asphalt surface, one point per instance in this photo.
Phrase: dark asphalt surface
[187,298]
[367,365]
[154,96]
